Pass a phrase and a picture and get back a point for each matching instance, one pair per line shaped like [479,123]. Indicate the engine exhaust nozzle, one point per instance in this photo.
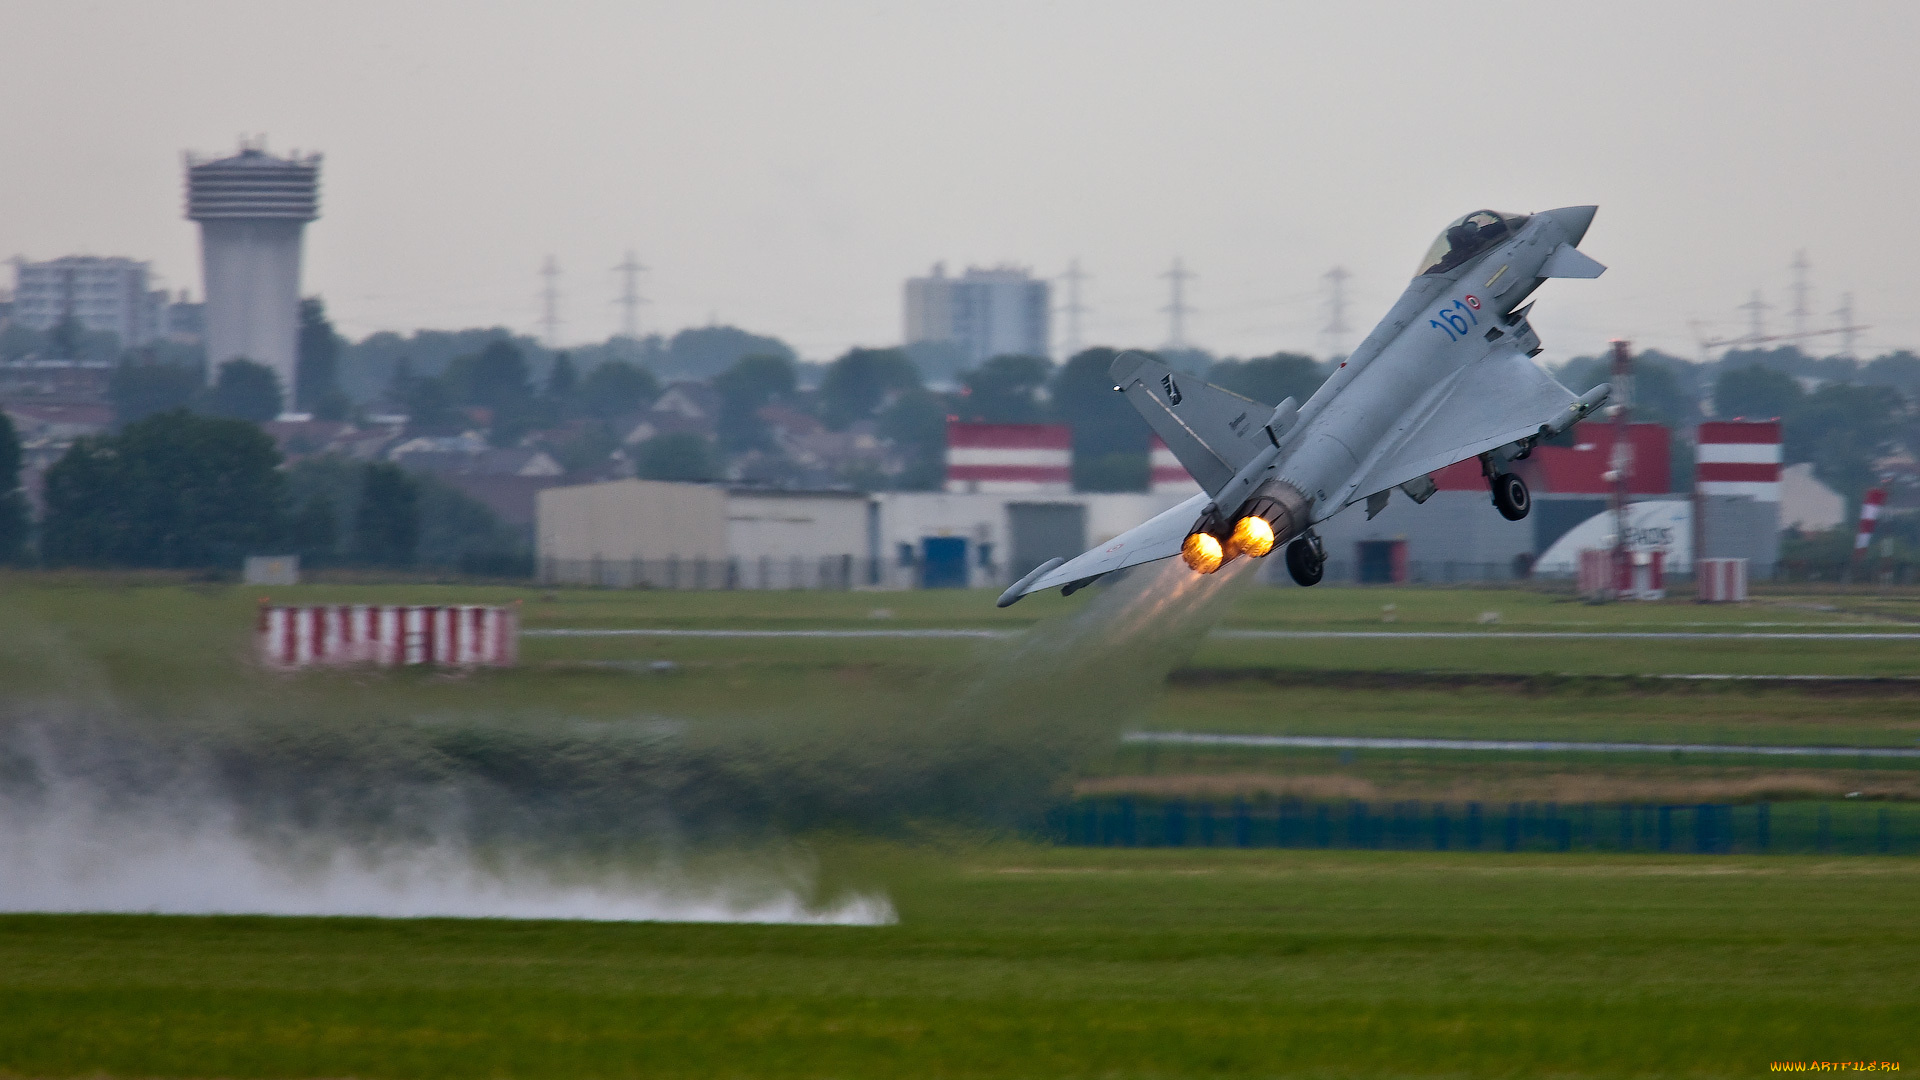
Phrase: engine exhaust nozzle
[1203,553]
[1275,513]
[1252,535]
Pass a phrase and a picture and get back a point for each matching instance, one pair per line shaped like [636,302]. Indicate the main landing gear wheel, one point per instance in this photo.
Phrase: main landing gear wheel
[1511,497]
[1306,560]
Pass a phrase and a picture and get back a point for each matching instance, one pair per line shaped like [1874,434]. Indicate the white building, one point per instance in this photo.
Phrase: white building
[1806,503]
[629,533]
[1663,525]
[101,294]
[952,540]
[253,209]
[984,313]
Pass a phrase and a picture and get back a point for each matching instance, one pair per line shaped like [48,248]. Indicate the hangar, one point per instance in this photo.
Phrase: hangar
[631,533]
[1009,505]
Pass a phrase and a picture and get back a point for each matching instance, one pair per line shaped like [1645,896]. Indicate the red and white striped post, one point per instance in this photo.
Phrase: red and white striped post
[1620,470]
[1870,507]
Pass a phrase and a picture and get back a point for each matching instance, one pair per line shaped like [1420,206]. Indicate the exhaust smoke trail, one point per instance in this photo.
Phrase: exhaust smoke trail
[115,867]
[180,850]
[340,802]
[1067,689]
[107,814]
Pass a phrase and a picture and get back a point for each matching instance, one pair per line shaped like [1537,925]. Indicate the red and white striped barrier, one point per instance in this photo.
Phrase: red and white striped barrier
[339,634]
[1721,581]
[1642,577]
[1869,517]
[1596,573]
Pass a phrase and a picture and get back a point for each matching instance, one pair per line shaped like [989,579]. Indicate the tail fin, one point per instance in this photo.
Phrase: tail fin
[1213,432]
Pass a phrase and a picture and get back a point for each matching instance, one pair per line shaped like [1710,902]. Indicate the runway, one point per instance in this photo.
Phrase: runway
[1564,635]
[1337,742]
[677,633]
[1277,635]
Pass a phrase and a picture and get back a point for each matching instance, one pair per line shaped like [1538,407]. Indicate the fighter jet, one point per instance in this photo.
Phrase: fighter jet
[1446,376]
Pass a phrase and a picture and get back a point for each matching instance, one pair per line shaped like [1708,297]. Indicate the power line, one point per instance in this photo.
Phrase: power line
[1073,308]
[1756,310]
[1848,331]
[630,298]
[1177,307]
[550,303]
[1336,329]
[1799,311]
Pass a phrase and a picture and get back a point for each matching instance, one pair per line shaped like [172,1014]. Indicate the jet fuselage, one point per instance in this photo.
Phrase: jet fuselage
[1441,323]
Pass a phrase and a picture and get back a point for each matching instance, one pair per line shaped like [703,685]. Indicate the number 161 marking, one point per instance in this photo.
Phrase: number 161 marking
[1455,326]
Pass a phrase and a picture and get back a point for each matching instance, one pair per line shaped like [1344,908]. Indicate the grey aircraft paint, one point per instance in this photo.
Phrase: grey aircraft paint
[1447,375]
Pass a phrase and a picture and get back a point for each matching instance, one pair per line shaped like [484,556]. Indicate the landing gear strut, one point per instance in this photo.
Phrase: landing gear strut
[1307,559]
[1511,497]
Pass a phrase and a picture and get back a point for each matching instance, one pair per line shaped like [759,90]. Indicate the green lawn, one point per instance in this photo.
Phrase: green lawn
[1558,710]
[1009,959]
[154,642]
[181,654]
[1021,962]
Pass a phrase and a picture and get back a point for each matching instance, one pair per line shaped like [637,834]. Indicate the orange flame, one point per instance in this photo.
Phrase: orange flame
[1253,535]
[1202,552]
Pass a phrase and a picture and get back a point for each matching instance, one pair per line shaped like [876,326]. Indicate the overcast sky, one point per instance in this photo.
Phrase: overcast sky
[784,167]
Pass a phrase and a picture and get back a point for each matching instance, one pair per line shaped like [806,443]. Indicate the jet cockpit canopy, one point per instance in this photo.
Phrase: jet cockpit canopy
[1467,236]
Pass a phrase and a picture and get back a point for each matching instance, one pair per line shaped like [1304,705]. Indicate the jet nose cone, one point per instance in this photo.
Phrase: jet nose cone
[1573,220]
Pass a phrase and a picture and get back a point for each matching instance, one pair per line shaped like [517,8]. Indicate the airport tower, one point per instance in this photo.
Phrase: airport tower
[252,208]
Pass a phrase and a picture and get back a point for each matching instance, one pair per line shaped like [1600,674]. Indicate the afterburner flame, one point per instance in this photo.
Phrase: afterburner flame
[1202,552]
[1253,535]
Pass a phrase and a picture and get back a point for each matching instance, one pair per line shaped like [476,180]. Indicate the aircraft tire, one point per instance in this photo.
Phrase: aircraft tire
[1511,497]
[1306,565]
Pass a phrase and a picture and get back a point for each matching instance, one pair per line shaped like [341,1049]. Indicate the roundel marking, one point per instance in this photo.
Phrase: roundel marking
[1473,302]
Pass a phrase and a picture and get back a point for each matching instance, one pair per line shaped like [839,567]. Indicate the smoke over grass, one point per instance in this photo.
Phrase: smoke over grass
[347,795]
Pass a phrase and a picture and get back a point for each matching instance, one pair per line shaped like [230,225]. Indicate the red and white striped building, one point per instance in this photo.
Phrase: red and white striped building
[1009,459]
[1169,477]
[1740,458]
[341,634]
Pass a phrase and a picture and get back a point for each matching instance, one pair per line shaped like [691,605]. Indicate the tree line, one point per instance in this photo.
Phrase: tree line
[576,411]
[183,490]
[1838,414]
[176,488]
[885,387]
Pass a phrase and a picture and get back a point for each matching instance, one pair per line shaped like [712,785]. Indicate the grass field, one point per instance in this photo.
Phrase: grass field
[1021,962]
[1008,959]
[182,651]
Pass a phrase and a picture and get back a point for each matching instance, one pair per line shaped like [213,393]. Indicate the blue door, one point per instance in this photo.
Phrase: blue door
[943,562]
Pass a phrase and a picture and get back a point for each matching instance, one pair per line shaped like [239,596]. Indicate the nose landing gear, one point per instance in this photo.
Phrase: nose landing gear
[1307,559]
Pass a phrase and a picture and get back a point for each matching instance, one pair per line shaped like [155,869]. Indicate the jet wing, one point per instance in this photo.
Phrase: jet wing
[1159,537]
[1491,402]
[1180,407]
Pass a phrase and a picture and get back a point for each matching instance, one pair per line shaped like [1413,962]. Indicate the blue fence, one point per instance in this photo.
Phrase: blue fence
[1836,828]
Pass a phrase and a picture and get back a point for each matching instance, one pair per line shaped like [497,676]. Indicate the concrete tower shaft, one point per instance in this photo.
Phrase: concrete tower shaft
[253,208]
